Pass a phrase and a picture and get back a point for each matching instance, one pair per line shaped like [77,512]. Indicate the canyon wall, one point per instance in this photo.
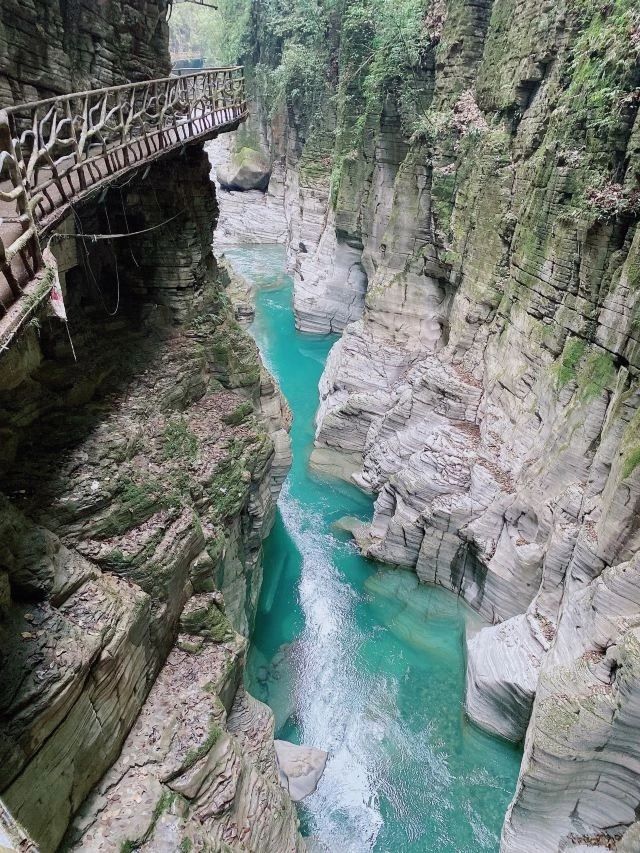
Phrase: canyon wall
[48,47]
[462,193]
[142,450]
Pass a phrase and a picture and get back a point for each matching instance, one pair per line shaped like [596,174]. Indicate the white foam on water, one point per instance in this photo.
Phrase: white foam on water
[400,776]
[336,705]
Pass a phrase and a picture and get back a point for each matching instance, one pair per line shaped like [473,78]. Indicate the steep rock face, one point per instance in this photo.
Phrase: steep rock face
[141,457]
[140,481]
[197,767]
[47,48]
[586,709]
[489,392]
[252,216]
[339,265]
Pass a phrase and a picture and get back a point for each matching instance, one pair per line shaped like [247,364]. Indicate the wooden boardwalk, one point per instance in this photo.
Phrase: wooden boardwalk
[58,152]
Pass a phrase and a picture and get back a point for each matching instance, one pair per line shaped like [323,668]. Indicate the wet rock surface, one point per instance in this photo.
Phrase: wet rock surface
[299,768]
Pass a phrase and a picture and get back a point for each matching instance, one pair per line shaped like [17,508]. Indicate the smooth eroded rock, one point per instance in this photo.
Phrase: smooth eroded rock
[246,170]
[503,664]
[299,768]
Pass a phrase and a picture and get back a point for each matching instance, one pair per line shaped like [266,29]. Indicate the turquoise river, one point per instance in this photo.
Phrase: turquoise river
[357,659]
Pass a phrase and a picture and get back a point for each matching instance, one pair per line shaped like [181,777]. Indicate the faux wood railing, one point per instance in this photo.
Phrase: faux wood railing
[56,152]
[205,3]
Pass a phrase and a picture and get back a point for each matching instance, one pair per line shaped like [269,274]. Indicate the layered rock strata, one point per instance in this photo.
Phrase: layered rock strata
[138,483]
[197,770]
[141,456]
[333,268]
[487,389]
[48,48]
[252,216]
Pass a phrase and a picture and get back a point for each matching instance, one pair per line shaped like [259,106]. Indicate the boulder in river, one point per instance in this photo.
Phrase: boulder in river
[299,768]
[247,169]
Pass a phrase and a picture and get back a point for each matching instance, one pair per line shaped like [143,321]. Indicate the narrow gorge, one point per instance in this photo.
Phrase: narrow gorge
[319,507]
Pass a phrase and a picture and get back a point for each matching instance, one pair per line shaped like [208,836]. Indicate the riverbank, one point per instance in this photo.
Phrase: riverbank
[362,661]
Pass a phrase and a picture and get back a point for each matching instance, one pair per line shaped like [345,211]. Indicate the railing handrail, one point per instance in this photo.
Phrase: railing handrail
[58,150]
[29,105]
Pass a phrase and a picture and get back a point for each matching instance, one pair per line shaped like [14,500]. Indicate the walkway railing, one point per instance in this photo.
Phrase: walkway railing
[57,151]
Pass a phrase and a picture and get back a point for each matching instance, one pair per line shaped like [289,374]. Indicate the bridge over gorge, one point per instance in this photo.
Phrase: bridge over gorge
[60,151]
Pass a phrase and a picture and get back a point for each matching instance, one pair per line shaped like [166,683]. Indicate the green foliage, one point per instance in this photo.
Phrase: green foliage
[299,80]
[331,64]
[397,48]
[179,442]
[194,755]
[602,73]
[246,136]
[186,845]
[291,68]
[219,36]
[382,50]
[570,357]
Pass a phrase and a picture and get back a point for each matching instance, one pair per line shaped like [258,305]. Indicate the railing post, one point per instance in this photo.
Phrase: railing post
[210,99]
[11,155]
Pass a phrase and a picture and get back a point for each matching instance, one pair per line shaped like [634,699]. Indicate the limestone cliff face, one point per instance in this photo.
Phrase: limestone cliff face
[48,47]
[140,461]
[487,389]
[249,216]
[138,483]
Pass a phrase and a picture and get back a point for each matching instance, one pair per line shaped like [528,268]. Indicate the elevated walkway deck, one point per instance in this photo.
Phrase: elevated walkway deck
[58,152]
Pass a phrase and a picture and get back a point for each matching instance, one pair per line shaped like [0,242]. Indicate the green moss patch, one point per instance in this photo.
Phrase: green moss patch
[229,488]
[194,755]
[596,375]
[178,441]
[237,416]
[566,367]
